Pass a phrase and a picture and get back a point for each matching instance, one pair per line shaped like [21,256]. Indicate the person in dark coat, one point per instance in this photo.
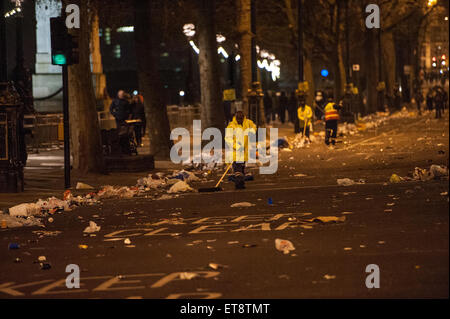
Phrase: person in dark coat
[283,103]
[430,100]
[120,109]
[292,108]
[138,113]
[267,101]
[419,99]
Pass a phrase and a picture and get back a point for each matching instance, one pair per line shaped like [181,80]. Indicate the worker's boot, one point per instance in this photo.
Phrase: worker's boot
[239,181]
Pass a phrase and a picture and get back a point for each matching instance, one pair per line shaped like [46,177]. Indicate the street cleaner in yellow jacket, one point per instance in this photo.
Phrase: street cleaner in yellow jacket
[236,138]
[305,115]
[331,120]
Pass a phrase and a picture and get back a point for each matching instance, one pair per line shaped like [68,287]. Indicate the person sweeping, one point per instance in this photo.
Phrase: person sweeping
[236,138]
[305,114]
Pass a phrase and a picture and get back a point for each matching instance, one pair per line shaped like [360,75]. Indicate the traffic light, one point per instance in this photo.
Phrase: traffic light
[58,32]
[65,47]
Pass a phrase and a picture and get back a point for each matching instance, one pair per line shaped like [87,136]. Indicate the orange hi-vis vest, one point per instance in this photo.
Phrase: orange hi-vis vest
[330,112]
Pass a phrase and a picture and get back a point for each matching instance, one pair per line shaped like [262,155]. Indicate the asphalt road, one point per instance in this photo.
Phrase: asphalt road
[402,228]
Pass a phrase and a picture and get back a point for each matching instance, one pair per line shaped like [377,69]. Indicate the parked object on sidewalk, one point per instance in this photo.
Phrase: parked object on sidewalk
[83,186]
[284,245]
[92,228]
[242,204]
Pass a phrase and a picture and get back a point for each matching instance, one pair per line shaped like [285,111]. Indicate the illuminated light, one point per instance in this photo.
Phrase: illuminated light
[125,29]
[194,47]
[59,59]
[446,18]
[443,57]
[135,92]
[434,64]
[220,38]
[400,89]
[434,58]
[182,93]
[237,58]
[189,30]
[324,73]
[272,67]
[222,51]
[18,9]
[257,49]
[264,54]
[271,56]
[443,63]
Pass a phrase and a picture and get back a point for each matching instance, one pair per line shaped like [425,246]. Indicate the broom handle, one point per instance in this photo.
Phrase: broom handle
[228,168]
[304,129]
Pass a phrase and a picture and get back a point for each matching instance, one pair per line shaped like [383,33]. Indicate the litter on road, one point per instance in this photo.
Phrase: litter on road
[242,204]
[284,245]
[92,228]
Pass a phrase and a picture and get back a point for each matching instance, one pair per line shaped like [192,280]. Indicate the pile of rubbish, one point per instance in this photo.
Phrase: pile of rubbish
[29,214]
[206,162]
[435,172]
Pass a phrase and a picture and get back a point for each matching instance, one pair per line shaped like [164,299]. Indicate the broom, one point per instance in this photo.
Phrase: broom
[216,188]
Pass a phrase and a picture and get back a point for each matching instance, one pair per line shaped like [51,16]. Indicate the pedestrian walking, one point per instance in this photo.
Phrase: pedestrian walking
[331,120]
[430,101]
[120,109]
[240,151]
[419,99]
[138,113]
[438,103]
[267,101]
[292,108]
[282,107]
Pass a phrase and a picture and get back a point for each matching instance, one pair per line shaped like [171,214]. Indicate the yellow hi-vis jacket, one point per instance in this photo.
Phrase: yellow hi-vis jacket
[304,114]
[331,113]
[236,137]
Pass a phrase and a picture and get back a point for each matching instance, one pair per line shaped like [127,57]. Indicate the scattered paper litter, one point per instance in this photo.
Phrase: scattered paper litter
[187,275]
[180,187]
[242,204]
[92,228]
[83,186]
[284,245]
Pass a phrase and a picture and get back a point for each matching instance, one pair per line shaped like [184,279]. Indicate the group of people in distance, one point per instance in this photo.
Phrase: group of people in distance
[124,107]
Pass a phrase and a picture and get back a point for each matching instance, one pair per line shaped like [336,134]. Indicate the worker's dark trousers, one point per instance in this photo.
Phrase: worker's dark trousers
[331,128]
[306,132]
[438,111]
[239,174]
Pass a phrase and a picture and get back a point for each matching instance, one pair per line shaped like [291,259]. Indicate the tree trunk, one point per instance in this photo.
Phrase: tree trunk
[147,41]
[211,99]
[84,128]
[371,70]
[245,47]
[389,62]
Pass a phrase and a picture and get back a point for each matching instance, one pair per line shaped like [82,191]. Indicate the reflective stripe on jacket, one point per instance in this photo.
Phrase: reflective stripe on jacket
[331,113]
